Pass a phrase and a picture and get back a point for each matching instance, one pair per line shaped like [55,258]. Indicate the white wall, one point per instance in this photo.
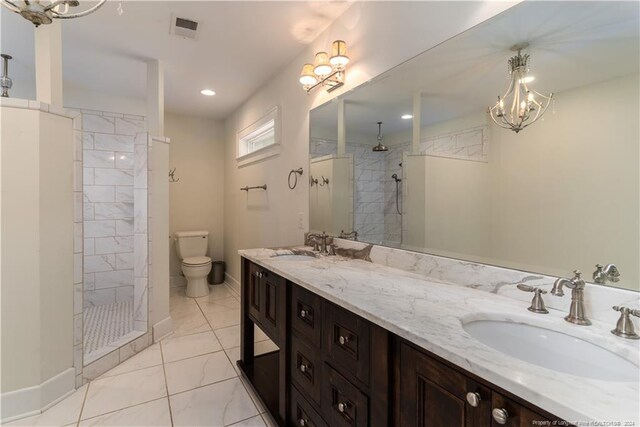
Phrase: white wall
[197,153]
[380,35]
[37,258]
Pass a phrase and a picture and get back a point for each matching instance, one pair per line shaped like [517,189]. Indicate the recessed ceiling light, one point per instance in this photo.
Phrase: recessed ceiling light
[527,79]
[207,92]
[407,116]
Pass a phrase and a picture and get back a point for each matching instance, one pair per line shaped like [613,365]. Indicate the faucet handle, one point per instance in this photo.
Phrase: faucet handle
[624,327]
[537,304]
[577,273]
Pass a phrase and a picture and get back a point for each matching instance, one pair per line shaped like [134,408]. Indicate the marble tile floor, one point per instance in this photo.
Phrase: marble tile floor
[188,379]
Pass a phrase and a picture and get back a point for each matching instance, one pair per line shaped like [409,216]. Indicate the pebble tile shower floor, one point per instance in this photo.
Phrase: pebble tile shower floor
[188,379]
[105,324]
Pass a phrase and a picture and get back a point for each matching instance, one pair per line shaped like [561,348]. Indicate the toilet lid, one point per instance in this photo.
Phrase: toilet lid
[197,260]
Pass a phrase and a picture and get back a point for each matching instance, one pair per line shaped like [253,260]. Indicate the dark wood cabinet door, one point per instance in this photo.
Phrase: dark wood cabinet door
[306,315]
[254,292]
[434,395]
[347,341]
[272,287]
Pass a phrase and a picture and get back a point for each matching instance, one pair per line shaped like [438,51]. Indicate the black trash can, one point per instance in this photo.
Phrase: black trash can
[217,272]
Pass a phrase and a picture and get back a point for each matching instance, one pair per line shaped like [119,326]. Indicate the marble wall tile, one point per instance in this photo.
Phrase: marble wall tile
[77,206]
[113,279]
[129,126]
[77,175]
[94,123]
[113,177]
[124,160]
[124,227]
[87,141]
[124,293]
[113,210]
[87,176]
[77,267]
[140,299]
[88,211]
[77,329]
[99,159]
[124,193]
[105,228]
[77,237]
[116,244]
[99,263]
[123,143]
[102,365]
[99,297]
[89,281]
[77,298]
[140,211]
[77,358]
[141,261]
[99,193]
[124,261]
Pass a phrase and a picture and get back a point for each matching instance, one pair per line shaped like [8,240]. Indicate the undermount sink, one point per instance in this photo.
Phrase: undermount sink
[294,257]
[553,350]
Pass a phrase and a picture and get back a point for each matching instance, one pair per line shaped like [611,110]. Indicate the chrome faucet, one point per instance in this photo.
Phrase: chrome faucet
[319,241]
[603,274]
[576,311]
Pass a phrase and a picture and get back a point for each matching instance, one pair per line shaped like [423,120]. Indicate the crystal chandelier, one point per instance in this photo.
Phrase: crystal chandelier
[526,105]
[44,12]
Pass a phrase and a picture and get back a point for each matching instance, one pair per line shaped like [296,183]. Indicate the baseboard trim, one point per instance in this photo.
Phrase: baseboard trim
[162,329]
[33,400]
[233,282]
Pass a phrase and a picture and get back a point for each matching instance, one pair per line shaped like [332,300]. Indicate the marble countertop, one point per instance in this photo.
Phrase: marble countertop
[430,314]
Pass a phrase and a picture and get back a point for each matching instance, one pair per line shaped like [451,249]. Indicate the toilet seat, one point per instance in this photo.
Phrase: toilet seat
[196,260]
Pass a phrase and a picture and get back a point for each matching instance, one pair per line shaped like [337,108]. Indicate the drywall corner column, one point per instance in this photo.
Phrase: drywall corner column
[48,47]
[417,116]
[155,98]
[342,128]
[159,212]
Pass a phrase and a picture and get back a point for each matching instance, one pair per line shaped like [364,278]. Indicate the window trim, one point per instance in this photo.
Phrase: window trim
[264,152]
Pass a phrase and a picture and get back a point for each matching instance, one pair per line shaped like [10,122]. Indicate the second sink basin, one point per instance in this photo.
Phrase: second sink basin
[553,350]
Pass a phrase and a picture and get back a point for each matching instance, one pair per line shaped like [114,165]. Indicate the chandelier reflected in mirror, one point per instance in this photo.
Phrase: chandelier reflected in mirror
[44,12]
[521,105]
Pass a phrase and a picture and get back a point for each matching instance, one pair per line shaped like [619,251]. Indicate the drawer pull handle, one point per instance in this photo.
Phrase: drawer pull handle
[303,313]
[259,274]
[473,399]
[500,415]
[302,422]
[343,407]
[343,340]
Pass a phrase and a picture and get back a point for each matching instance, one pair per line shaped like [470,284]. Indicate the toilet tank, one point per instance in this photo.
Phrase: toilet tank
[191,243]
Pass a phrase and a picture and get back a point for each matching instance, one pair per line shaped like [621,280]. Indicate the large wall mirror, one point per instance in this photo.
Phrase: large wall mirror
[439,176]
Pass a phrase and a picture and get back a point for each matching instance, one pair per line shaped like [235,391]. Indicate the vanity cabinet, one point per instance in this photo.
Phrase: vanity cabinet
[432,394]
[334,368]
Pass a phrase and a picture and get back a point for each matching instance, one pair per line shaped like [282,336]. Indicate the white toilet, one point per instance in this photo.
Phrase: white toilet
[191,247]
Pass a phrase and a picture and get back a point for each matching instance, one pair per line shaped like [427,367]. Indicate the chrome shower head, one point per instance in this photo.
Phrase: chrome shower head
[380,147]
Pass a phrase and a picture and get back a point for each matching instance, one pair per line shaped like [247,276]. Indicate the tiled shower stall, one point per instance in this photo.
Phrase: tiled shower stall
[114,232]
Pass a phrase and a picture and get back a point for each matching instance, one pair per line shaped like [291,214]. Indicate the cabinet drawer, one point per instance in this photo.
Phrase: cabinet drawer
[343,404]
[302,414]
[306,315]
[347,340]
[306,368]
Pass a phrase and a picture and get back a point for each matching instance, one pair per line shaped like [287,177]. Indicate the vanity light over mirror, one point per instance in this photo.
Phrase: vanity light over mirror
[560,195]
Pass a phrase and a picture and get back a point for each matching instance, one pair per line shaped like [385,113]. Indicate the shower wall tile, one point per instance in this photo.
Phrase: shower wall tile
[114,279]
[99,263]
[94,123]
[124,160]
[129,126]
[113,177]
[99,159]
[87,176]
[99,228]
[124,261]
[99,193]
[113,210]
[87,141]
[124,227]
[113,142]
[124,193]
[115,245]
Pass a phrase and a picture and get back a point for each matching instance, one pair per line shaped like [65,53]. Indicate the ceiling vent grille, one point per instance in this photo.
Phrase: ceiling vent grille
[184,27]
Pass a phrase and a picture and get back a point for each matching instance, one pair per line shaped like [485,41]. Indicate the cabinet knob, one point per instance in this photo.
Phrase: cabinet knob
[342,406]
[303,368]
[500,415]
[473,399]
[302,422]
[303,313]
[343,340]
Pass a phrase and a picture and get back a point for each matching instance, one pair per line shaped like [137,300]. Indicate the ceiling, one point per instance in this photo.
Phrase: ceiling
[240,46]
[572,44]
